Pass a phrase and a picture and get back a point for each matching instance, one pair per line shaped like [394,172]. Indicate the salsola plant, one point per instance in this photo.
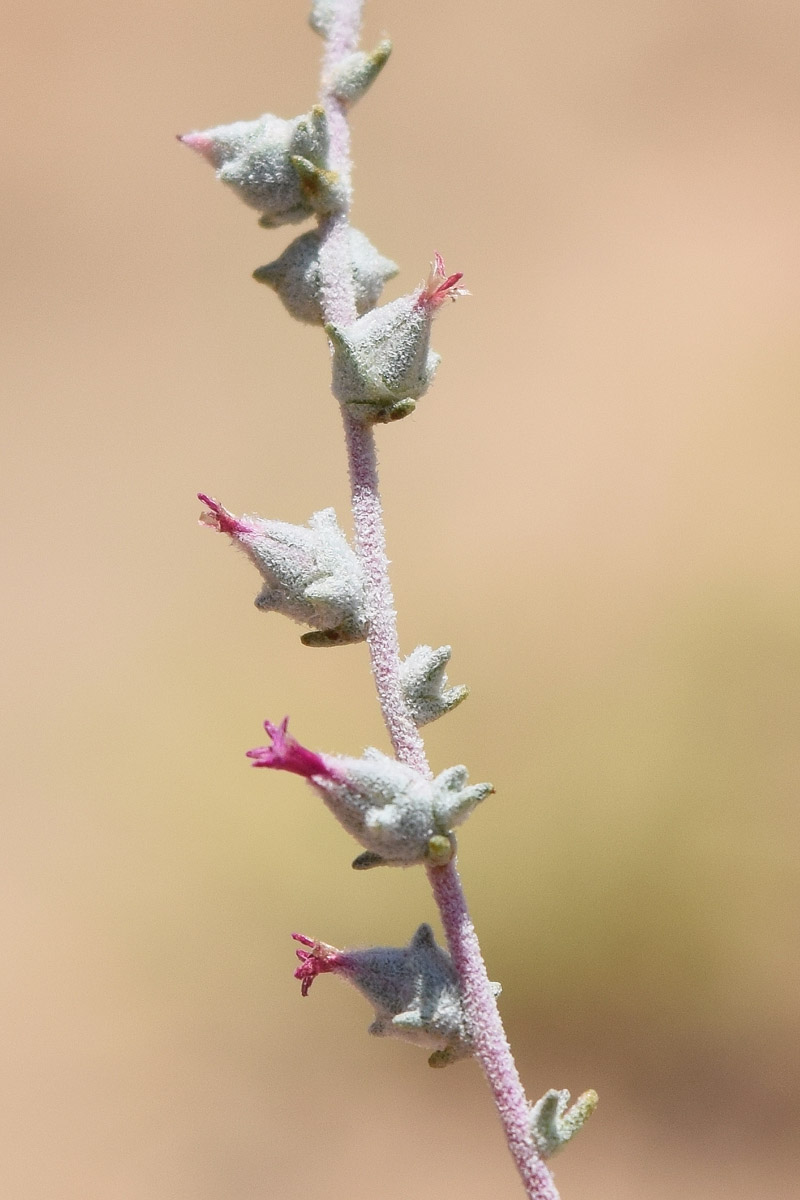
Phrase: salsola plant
[400,814]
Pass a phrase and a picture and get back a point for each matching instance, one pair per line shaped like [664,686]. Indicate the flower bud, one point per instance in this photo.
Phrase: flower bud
[275,166]
[393,810]
[424,683]
[295,276]
[553,1124]
[310,572]
[358,71]
[414,989]
[383,363]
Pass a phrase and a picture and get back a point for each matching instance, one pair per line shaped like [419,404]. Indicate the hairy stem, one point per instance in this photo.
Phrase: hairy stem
[382,638]
[491,1045]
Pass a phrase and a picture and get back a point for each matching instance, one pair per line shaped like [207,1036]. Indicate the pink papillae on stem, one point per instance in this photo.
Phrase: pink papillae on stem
[440,286]
[286,754]
[318,960]
[220,519]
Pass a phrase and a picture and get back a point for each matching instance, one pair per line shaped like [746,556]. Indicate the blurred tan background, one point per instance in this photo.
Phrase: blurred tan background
[597,505]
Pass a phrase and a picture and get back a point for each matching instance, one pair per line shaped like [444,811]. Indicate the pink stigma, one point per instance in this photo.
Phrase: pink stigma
[440,286]
[220,519]
[285,754]
[319,960]
[200,143]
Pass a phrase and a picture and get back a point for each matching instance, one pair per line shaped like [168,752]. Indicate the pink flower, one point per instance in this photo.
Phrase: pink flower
[320,959]
[220,519]
[414,990]
[398,815]
[440,286]
[383,362]
[310,572]
[286,754]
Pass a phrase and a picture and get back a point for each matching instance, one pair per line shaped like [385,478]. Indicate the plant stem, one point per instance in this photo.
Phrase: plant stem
[382,621]
[491,1045]
[338,304]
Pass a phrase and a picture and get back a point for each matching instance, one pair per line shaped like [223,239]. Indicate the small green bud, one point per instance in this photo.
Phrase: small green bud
[424,683]
[553,1123]
[356,73]
[441,849]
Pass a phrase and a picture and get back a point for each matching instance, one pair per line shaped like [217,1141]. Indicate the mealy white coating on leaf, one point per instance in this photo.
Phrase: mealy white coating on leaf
[416,994]
[295,276]
[553,1123]
[254,158]
[425,686]
[358,71]
[311,574]
[392,809]
[385,356]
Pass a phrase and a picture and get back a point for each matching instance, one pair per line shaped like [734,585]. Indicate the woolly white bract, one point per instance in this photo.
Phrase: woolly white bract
[425,686]
[383,363]
[554,1123]
[310,573]
[398,815]
[414,989]
[358,72]
[295,276]
[274,165]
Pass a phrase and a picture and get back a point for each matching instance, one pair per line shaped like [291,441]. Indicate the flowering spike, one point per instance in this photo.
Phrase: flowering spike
[310,573]
[295,276]
[383,363]
[397,814]
[259,161]
[553,1124]
[356,73]
[424,683]
[414,989]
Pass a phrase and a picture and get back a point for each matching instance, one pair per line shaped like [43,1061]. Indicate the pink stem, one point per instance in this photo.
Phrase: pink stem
[339,307]
[338,302]
[382,622]
[491,1044]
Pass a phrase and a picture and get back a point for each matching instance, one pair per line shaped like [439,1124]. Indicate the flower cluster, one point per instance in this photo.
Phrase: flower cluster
[310,572]
[275,166]
[393,810]
[414,990]
[383,363]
